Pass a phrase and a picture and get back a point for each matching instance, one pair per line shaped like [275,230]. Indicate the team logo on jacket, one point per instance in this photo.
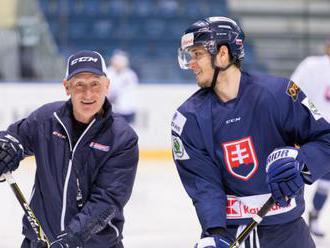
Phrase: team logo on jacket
[59,135]
[240,158]
[293,90]
[100,147]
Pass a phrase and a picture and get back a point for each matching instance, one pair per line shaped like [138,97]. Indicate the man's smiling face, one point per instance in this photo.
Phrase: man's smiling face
[88,92]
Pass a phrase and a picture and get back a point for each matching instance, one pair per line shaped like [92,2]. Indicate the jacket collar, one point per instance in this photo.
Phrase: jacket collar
[65,113]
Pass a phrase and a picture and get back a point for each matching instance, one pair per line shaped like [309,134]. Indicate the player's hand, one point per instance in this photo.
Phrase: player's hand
[67,240]
[213,241]
[284,176]
[11,152]
[39,244]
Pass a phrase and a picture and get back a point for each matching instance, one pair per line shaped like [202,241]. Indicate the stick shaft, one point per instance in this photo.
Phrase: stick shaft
[255,221]
[33,220]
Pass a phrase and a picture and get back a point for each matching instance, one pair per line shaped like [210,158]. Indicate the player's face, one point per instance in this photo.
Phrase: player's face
[200,64]
[88,92]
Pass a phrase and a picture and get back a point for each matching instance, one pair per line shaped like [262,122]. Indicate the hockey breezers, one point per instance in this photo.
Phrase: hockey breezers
[255,221]
[33,220]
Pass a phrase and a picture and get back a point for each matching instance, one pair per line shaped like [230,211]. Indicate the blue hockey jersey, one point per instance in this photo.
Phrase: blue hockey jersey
[220,148]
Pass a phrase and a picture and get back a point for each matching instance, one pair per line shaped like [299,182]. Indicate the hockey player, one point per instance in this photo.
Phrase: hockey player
[313,75]
[124,83]
[233,142]
[86,161]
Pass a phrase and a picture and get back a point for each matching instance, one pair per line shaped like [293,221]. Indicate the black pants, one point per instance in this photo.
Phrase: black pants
[294,234]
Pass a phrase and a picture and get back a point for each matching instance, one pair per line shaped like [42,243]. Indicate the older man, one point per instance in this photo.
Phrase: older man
[86,161]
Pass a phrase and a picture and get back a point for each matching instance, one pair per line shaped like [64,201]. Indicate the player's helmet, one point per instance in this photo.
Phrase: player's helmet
[211,33]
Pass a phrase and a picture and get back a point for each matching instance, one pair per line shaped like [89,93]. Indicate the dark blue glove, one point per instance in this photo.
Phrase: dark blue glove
[284,177]
[11,152]
[38,244]
[67,240]
[214,241]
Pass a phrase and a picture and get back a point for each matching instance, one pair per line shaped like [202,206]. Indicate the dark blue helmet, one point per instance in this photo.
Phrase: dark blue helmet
[211,33]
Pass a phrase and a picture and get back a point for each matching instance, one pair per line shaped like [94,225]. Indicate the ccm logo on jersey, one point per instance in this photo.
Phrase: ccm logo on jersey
[293,90]
[178,122]
[237,119]
[84,59]
[240,158]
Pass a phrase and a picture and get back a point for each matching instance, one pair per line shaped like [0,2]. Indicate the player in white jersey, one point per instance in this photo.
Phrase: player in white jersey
[124,82]
[313,76]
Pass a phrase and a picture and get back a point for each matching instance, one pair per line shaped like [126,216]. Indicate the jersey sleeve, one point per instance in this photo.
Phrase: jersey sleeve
[24,130]
[303,125]
[200,176]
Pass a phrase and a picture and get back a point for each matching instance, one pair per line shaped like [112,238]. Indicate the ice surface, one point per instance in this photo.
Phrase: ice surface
[159,213]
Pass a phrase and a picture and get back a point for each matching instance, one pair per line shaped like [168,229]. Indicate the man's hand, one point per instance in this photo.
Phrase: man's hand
[213,241]
[284,176]
[11,152]
[39,244]
[67,240]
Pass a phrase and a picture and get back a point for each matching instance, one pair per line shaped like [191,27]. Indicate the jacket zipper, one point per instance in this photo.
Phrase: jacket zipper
[68,174]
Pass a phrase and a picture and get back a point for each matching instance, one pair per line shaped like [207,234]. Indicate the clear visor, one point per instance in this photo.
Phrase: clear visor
[188,41]
[184,58]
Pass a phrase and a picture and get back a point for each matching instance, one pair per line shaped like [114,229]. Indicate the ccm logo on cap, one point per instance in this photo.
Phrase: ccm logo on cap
[83,59]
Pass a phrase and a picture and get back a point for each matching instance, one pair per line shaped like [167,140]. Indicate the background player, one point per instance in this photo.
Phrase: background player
[313,76]
[233,142]
[124,82]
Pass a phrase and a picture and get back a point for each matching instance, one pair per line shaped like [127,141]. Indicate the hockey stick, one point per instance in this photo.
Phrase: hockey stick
[33,220]
[255,221]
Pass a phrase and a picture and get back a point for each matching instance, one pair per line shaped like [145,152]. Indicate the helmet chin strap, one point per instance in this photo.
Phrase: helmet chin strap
[218,69]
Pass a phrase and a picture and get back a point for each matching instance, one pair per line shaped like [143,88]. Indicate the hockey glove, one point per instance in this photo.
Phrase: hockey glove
[39,244]
[11,152]
[67,240]
[214,241]
[284,177]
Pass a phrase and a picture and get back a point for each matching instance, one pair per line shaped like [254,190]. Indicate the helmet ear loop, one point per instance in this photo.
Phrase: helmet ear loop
[216,71]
